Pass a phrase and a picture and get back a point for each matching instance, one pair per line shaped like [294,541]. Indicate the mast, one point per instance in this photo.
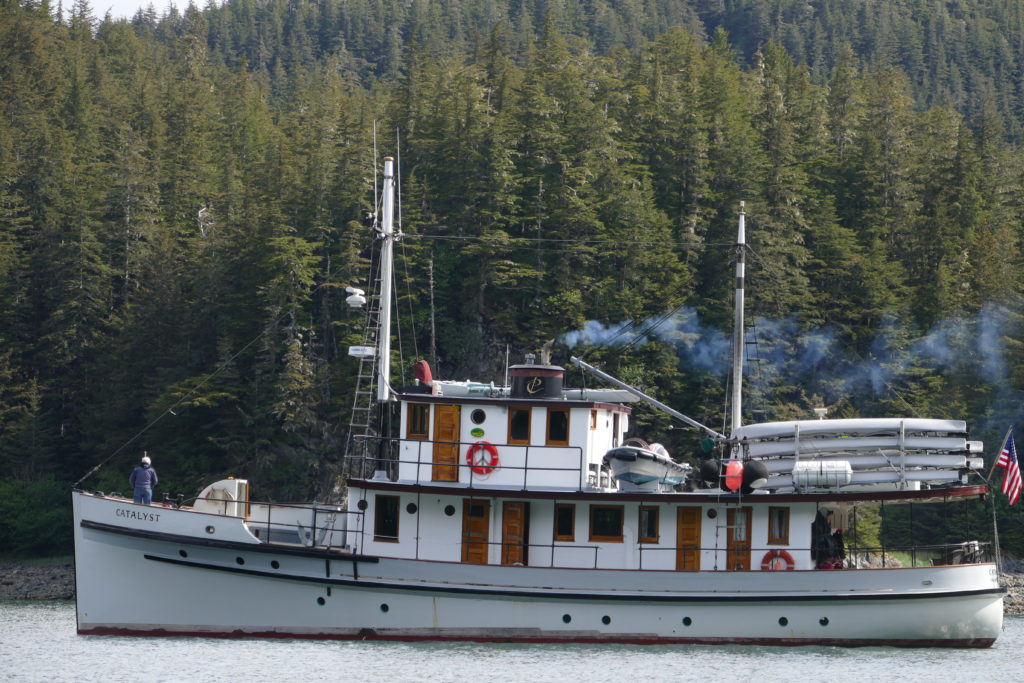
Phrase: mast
[387,234]
[738,340]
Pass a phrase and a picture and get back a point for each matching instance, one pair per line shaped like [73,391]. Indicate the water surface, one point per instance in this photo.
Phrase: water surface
[38,643]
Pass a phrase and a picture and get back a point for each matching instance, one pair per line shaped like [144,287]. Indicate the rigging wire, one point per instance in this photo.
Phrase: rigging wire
[330,281]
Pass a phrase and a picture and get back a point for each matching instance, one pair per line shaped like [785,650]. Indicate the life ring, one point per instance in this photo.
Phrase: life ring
[777,560]
[488,463]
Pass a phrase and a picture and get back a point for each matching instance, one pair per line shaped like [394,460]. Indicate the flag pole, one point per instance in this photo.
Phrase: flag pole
[1001,446]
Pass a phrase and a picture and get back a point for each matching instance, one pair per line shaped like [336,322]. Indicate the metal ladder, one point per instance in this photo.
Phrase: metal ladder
[359,447]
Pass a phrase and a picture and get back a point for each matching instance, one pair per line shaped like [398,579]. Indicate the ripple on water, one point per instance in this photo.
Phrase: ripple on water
[38,643]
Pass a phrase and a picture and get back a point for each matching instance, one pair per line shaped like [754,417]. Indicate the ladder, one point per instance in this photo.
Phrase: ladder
[360,445]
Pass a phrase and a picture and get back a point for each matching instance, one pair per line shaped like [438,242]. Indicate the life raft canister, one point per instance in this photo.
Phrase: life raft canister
[777,560]
[485,464]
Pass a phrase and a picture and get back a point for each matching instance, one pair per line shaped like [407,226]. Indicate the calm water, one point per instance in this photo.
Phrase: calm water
[38,643]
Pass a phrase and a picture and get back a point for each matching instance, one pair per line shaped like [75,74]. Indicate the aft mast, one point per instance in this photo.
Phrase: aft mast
[738,339]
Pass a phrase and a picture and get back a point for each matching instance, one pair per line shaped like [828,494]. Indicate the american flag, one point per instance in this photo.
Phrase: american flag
[1008,461]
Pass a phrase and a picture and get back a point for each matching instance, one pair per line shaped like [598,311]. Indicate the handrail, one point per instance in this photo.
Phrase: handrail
[426,459]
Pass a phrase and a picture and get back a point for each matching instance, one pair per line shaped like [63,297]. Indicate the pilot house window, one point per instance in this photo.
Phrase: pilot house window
[519,425]
[418,425]
[385,518]
[558,427]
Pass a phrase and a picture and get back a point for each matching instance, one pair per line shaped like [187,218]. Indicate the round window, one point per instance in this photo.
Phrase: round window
[478,416]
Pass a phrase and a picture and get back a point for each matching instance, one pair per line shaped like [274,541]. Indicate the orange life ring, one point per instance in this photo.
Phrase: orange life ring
[777,560]
[488,463]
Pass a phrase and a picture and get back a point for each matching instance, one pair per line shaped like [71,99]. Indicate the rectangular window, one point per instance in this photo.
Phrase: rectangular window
[648,532]
[385,519]
[565,522]
[593,419]
[606,523]
[558,427]
[778,526]
[417,421]
[519,426]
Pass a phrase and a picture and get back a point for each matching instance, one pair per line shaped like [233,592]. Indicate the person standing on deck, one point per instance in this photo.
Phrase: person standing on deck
[143,479]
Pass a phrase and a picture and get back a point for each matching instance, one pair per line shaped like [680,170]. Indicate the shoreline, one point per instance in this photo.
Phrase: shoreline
[57,582]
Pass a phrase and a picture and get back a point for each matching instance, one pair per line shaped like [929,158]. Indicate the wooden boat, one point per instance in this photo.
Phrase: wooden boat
[499,513]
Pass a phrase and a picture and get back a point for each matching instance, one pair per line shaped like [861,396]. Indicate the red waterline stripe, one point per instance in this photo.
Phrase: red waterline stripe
[369,634]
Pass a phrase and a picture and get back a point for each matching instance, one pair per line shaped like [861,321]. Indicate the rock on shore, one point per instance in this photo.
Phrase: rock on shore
[36,582]
[57,582]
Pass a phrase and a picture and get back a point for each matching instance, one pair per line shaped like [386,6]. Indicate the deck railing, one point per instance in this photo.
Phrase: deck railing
[534,458]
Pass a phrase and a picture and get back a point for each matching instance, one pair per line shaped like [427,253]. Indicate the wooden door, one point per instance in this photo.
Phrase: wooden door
[514,533]
[476,523]
[688,539]
[446,446]
[737,556]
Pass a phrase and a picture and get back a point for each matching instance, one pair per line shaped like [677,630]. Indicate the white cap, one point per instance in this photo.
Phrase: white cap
[145,460]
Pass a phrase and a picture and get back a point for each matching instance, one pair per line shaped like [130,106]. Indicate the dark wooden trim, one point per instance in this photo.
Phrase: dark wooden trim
[227,545]
[691,498]
[506,401]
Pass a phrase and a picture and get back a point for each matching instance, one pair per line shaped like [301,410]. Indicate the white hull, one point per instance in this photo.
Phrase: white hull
[169,584]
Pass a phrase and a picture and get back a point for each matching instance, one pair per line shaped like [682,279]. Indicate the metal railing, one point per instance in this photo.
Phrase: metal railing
[424,458]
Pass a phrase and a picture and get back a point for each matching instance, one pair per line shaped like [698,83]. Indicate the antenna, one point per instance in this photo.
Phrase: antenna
[376,200]
[398,176]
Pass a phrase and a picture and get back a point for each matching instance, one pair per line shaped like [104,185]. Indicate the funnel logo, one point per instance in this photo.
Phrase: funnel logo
[534,385]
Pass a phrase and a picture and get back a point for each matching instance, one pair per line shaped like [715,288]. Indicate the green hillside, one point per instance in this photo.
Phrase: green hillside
[187,194]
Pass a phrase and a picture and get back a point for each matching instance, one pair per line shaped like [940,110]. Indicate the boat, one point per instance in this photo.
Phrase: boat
[518,512]
[642,466]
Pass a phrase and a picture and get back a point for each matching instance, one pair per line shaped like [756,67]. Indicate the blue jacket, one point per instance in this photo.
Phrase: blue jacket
[144,476]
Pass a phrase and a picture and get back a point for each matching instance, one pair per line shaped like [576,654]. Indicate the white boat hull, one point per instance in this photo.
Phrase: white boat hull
[171,580]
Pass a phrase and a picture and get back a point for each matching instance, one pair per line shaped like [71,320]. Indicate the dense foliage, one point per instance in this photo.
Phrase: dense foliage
[184,198]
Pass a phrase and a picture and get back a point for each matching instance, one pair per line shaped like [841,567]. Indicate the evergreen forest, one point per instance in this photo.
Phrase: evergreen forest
[184,198]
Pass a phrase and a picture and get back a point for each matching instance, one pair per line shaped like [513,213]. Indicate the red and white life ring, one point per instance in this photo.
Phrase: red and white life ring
[486,463]
[777,560]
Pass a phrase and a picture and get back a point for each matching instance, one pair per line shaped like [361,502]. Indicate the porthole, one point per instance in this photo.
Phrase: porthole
[783,621]
[449,510]
[687,621]
[210,529]
[566,618]
[712,513]
[362,505]
[478,416]
[411,508]
[384,607]
[240,560]
[275,564]
[183,553]
[823,621]
[606,620]
[321,601]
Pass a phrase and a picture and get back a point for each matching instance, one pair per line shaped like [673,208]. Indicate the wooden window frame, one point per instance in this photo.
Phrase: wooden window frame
[782,539]
[417,407]
[529,425]
[571,537]
[548,441]
[622,518]
[650,510]
[593,419]
[378,504]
